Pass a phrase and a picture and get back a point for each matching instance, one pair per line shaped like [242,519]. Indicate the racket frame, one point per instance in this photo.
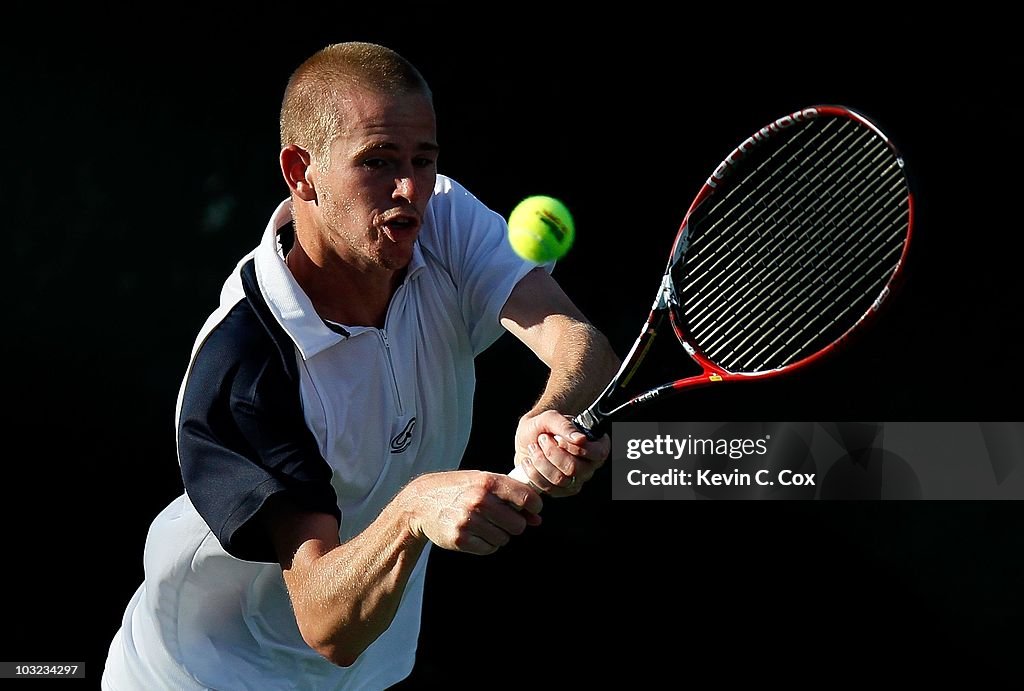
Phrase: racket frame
[592,420]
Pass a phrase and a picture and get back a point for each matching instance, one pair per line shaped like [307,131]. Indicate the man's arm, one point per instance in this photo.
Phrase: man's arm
[582,362]
[345,595]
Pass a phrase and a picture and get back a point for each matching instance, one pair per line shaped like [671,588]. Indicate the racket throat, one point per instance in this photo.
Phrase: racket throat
[589,423]
[666,296]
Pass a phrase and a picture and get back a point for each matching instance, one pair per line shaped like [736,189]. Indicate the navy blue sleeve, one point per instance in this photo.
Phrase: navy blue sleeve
[242,437]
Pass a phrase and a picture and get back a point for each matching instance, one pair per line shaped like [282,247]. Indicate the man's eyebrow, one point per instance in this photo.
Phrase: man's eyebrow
[390,146]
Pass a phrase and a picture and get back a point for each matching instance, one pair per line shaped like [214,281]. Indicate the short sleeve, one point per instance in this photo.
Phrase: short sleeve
[242,437]
[473,242]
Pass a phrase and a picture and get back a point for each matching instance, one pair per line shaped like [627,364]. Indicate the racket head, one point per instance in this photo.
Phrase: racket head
[792,244]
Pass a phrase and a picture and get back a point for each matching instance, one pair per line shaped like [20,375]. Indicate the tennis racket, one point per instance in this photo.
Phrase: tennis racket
[793,243]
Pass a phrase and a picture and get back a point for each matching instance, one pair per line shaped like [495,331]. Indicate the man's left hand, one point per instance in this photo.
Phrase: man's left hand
[557,458]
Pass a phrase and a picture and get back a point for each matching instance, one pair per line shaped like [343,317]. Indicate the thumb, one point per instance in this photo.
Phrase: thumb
[566,429]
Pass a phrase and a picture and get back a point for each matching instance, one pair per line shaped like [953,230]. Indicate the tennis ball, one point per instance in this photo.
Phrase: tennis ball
[540,229]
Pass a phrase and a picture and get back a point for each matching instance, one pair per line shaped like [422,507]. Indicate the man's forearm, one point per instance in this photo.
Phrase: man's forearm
[345,597]
[582,364]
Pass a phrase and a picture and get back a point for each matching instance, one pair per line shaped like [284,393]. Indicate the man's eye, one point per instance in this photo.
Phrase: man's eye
[375,163]
[423,162]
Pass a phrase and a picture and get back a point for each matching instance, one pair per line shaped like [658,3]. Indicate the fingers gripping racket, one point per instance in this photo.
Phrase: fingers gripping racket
[793,242]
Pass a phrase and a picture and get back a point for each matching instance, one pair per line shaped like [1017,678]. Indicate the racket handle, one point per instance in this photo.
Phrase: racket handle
[520,475]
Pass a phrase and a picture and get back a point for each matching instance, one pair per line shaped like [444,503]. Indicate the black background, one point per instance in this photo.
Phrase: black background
[141,164]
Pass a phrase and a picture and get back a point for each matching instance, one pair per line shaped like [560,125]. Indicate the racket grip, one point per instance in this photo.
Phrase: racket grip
[520,475]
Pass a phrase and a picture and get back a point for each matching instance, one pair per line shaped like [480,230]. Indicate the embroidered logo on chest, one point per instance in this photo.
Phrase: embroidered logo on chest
[400,442]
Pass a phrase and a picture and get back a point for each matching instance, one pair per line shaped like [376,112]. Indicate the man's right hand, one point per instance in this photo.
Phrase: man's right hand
[470,510]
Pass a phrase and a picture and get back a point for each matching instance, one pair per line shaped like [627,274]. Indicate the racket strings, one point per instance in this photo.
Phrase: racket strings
[726,233]
[794,303]
[800,276]
[739,197]
[708,273]
[713,280]
[805,297]
[797,250]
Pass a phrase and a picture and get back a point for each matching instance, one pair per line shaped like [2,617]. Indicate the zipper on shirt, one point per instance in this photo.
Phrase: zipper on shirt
[391,368]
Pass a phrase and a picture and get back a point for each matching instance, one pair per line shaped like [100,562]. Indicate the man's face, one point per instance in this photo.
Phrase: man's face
[373,193]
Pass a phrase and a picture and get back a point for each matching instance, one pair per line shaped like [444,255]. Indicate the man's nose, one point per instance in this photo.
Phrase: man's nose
[405,188]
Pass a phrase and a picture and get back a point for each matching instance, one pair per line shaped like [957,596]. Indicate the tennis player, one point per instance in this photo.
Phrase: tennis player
[328,402]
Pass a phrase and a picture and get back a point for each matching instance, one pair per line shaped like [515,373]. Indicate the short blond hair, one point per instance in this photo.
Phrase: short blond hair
[309,114]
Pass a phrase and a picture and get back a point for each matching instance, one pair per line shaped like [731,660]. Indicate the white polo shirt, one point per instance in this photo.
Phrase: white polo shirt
[339,418]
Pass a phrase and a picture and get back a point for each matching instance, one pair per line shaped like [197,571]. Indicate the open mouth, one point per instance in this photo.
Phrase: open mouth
[401,223]
[398,226]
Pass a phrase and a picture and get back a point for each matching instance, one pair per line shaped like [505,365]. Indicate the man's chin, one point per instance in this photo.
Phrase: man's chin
[396,257]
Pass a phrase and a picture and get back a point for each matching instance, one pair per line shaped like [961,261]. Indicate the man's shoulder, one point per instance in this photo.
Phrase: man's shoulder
[238,335]
[455,213]
[451,193]
[237,331]
[444,185]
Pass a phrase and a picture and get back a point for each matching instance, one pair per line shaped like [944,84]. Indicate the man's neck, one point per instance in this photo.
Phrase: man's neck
[342,293]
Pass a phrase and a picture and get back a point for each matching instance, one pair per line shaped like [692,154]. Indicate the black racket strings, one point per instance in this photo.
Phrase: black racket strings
[792,256]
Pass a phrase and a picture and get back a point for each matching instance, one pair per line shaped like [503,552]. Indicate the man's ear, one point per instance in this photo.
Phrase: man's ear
[298,172]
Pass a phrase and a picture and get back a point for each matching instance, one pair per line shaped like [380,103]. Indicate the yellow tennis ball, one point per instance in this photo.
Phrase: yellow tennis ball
[540,229]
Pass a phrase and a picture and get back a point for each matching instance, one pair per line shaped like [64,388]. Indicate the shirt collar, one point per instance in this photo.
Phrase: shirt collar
[289,304]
